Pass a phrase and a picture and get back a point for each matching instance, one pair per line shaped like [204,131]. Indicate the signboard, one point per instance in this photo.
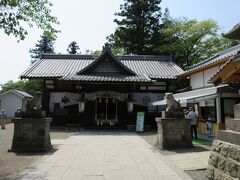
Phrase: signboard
[140,122]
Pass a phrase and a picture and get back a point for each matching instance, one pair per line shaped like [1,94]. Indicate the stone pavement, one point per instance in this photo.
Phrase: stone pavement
[186,159]
[107,155]
[191,160]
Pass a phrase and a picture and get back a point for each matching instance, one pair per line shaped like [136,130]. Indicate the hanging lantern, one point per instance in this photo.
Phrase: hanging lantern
[130,102]
[130,106]
[100,100]
[81,106]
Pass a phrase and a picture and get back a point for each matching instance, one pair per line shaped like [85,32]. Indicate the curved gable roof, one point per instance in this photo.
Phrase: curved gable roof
[103,58]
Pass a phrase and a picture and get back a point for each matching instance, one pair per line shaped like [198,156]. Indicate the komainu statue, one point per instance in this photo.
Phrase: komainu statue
[172,104]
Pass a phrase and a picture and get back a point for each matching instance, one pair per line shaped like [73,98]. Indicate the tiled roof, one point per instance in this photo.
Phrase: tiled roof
[218,58]
[23,93]
[101,58]
[226,67]
[65,67]
[75,77]
[20,93]
[234,33]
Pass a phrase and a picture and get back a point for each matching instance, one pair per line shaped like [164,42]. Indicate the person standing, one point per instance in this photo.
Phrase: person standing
[193,116]
[3,118]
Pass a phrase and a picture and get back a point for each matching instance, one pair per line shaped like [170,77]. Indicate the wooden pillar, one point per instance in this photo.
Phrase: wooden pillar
[218,109]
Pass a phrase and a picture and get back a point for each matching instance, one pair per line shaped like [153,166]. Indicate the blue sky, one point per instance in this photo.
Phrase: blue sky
[89,22]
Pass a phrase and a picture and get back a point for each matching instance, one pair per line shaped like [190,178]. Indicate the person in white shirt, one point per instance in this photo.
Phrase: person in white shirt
[193,116]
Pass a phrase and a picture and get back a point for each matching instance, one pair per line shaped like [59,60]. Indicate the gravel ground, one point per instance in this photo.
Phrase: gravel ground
[12,163]
[151,138]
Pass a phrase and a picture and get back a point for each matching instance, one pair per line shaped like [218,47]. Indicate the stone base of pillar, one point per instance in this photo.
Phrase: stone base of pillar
[31,135]
[173,133]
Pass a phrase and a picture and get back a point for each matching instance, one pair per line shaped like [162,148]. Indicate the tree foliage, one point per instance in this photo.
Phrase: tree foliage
[43,46]
[16,14]
[138,26]
[190,41]
[30,86]
[73,48]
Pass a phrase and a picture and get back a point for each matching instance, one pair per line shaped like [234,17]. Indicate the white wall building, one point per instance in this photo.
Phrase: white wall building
[13,99]
[211,102]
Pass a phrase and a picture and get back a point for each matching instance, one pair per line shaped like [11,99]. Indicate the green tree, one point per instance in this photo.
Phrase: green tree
[15,14]
[44,45]
[12,85]
[138,27]
[29,86]
[73,48]
[190,41]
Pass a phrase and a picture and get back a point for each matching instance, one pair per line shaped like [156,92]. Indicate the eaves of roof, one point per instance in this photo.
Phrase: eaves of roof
[106,78]
[216,60]
[216,79]
[234,33]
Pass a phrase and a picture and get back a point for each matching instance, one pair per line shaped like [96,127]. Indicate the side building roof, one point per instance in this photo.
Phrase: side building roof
[19,93]
[234,33]
[218,59]
[67,67]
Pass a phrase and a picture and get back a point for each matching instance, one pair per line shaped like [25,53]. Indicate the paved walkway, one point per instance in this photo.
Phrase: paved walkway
[103,155]
[195,158]
[190,161]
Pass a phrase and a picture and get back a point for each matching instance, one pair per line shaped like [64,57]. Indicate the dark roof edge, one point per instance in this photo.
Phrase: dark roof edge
[221,53]
[120,57]
[202,62]
[23,93]
[233,33]
[67,56]
[144,57]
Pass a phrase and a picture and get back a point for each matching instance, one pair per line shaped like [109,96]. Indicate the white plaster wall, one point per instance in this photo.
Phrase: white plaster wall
[208,74]
[10,102]
[56,97]
[196,80]
[139,98]
[201,79]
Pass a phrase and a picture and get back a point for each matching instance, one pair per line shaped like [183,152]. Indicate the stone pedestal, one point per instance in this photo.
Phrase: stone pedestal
[174,131]
[224,161]
[31,135]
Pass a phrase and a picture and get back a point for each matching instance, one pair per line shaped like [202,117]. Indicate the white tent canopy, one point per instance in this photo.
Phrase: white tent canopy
[193,96]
